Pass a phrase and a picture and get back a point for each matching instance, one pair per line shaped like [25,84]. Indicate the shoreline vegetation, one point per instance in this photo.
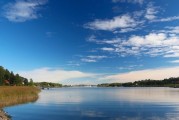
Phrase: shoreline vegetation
[15,89]
[10,96]
[13,95]
[47,85]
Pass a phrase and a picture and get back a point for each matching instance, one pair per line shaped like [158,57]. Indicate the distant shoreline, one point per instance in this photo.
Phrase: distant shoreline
[170,82]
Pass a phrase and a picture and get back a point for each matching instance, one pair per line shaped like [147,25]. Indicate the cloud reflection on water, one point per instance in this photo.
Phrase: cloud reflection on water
[124,103]
[59,96]
[78,95]
[102,104]
[151,95]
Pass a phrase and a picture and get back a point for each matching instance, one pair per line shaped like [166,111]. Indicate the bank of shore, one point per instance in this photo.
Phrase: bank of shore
[13,95]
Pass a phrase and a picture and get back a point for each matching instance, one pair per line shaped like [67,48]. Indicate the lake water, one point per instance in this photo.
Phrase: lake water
[101,104]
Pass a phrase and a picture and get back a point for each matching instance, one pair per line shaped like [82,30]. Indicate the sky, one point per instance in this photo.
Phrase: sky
[90,41]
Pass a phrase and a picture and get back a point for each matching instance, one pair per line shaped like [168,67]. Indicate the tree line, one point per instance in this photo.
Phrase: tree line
[47,84]
[9,78]
[170,82]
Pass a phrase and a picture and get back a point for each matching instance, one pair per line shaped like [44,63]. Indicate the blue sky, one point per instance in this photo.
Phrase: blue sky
[90,42]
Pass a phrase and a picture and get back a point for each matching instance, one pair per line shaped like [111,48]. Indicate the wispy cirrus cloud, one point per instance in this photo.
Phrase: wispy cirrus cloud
[88,60]
[172,18]
[73,64]
[107,49]
[93,58]
[94,39]
[23,10]
[110,45]
[172,30]
[152,15]
[174,61]
[129,1]
[130,67]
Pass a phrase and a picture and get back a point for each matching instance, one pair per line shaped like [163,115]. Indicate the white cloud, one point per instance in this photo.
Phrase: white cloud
[119,22]
[93,38]
[23,10]
[175,61]
[59,76]
[173,55]
[107,49]
[155,74]
[124,30]
[129,1]
[92,58]
[88,60]
[73,64]
[155,44]
[130,67]
[173,30]
[159,43]
[53,75]
[151,12]
[131,21]
[96,57]
[167,19]
[152,39]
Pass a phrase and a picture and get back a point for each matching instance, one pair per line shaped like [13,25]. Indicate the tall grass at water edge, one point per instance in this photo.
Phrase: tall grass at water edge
[12,95]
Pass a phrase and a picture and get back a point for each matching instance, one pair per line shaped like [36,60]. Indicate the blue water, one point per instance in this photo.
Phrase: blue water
[101,104]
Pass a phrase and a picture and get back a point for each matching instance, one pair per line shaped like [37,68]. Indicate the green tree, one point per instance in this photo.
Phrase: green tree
[12,78]
[26,82]
[2,73]
[18,81]
[31,83]
[7,75]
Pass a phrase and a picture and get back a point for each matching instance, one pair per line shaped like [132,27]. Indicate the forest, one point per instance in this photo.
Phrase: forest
[8,78]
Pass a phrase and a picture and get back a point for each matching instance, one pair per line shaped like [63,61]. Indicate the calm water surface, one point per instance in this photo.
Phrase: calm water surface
[101,104]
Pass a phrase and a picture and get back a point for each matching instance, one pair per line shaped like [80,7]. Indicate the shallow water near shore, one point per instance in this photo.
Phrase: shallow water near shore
[101,104]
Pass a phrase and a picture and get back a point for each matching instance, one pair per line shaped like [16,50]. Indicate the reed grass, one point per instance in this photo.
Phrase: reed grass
[12,95]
